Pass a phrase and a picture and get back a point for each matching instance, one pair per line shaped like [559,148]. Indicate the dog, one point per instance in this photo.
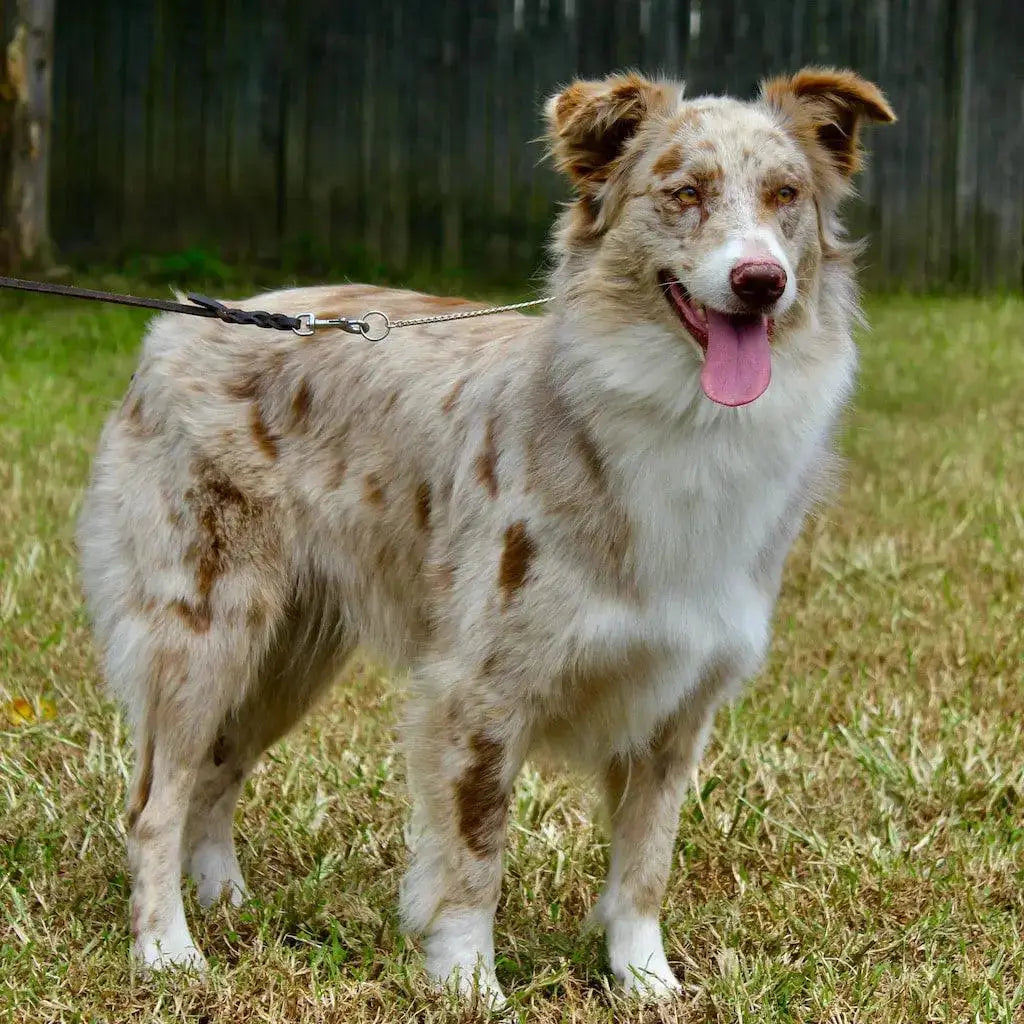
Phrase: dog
[569,528]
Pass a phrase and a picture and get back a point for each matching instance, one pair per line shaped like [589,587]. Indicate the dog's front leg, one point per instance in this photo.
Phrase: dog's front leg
[643,795]
[461,773]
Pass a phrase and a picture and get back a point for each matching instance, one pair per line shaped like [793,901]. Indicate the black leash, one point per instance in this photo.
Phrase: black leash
[372,325]
[202,305]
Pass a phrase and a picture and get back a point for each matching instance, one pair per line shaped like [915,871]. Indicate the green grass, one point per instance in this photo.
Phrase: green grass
[856,846]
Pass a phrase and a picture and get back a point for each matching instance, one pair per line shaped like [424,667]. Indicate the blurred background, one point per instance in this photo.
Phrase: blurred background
[400,137]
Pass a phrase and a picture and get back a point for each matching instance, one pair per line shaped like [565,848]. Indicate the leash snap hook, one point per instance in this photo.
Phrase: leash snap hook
[375,330]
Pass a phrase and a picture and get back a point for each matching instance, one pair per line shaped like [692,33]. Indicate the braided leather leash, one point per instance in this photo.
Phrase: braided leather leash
[372,325]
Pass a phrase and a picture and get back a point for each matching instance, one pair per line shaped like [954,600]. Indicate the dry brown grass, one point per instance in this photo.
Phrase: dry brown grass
[854,851]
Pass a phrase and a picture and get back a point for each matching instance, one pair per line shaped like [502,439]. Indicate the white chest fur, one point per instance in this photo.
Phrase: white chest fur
[707,494]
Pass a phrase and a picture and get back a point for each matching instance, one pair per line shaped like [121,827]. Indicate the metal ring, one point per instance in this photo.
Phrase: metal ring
[305,328]
[378,333]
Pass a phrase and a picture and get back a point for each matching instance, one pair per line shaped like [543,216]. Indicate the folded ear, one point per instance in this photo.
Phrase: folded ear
[824,108]
[591,123]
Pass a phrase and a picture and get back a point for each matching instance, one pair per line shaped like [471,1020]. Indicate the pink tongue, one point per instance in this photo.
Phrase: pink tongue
[738,363]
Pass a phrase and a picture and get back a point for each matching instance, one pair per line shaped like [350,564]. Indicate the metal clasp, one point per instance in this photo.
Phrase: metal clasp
[305,328]
[377,330]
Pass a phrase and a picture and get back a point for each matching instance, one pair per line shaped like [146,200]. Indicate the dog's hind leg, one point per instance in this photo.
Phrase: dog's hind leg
[288,685]
[190,686]
[212,861]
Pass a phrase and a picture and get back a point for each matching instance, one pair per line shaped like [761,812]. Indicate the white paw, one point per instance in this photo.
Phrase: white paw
[472,984]
[159,955]
[650,984]
[638,959]
[216,873]
[460,956]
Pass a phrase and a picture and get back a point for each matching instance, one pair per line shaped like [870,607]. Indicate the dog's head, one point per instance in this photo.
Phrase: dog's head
[710,214]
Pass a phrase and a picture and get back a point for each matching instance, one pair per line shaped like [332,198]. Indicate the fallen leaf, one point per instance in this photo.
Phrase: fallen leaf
[22,712]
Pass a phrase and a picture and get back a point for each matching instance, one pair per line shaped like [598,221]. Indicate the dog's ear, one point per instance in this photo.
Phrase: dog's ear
[824,109]
[591,123]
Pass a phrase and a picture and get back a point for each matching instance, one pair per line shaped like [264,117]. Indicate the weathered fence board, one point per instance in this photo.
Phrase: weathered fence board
[402,134]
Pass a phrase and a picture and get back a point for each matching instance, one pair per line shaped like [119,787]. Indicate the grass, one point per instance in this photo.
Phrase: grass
[854,850]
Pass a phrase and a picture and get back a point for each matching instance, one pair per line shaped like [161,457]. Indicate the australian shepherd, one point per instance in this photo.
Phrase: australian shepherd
[570,528]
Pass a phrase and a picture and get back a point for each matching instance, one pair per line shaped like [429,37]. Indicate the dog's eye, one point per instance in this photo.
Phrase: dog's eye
[688,195]
[786,194]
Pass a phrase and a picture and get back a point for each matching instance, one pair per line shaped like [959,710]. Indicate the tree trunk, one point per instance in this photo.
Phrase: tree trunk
[25,138]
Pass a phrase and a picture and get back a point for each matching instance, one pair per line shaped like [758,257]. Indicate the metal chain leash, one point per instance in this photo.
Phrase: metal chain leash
[382,325]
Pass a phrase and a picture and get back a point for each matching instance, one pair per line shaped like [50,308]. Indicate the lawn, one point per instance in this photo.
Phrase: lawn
[854,850]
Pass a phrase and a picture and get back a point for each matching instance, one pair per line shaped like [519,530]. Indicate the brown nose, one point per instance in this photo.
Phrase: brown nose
[758,283]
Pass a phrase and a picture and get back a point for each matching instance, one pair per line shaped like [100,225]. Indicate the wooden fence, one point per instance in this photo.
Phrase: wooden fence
[399,133]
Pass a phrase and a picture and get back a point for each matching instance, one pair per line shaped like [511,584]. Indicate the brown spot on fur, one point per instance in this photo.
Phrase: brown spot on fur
[711,174]
[196,617]
[143,785]
[487,462]
[423,506]
[134,411]
[300,404]
[210,560]
[134,414]
[687,117]
[220,510]
[444,576]
[516,559]
[373,491]
[591,458]
[669,162]
[489,664]
[336,475]
[481,801]
[443,302]
[266,441]
[706,145]
[244,388]
[221,749]
[453,396]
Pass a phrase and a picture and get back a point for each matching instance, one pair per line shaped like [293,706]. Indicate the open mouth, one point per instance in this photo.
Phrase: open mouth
[737,350]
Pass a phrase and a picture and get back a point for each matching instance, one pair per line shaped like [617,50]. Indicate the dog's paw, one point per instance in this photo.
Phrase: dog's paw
[638,959]
[479,987]
[170,949]
[460,958]
[153,955]
[655,986]
[216,873]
